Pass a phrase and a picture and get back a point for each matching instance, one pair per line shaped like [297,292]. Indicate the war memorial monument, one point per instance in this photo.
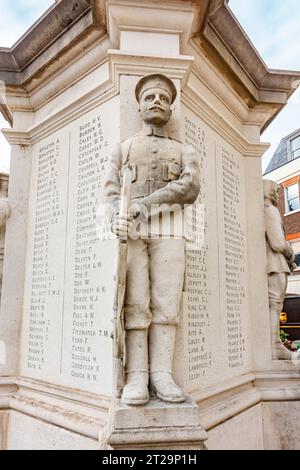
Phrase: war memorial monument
[137,304]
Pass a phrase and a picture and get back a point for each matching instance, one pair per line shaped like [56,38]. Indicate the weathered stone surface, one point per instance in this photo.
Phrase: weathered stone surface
[73,104]
[157,426]
[42,436]
[244,432]
[281,425]
[5,211]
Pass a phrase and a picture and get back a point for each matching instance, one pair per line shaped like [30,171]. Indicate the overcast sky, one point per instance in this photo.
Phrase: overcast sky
[272,25]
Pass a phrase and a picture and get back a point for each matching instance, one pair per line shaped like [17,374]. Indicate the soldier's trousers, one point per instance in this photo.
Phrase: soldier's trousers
[277,283]
[155,276]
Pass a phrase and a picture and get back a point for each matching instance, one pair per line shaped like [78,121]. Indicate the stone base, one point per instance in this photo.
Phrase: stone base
[279,351]
[158,426]
[28,433]
[244,431]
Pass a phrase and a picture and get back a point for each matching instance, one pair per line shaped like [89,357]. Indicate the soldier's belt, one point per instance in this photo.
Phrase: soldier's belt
[139,190]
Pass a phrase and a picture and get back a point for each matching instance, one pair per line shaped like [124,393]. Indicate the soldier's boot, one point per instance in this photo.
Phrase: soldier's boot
[161,351]
[136,390]
[279,351]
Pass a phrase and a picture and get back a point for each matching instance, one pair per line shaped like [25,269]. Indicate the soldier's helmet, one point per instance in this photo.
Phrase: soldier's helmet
[155,81]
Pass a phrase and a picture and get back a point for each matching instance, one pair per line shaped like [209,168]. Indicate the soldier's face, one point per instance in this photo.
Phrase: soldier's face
[275,196]
[155,106]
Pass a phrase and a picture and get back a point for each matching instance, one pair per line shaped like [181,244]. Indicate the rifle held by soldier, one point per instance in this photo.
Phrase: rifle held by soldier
[118,327]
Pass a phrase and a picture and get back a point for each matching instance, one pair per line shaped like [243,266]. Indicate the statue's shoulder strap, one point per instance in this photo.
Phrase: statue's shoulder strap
[178,148]
[176,140]
[125,148]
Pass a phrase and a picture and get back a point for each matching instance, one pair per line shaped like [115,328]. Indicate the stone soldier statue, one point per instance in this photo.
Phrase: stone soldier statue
[280,262]
[165,172]
[4,215]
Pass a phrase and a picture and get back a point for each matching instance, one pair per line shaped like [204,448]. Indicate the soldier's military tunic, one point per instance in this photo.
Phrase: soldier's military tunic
[277,265]
[164,172]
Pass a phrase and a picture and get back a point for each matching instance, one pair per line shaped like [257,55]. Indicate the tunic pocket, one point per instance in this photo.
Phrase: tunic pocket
[171,171]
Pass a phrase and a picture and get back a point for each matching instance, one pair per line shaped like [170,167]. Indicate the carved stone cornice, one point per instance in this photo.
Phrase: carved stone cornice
[56,21]
[84,30]
[58,37]
[123,63]
[226,44]
[15,137]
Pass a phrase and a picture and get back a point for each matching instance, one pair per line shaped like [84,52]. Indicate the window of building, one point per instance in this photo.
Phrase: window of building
[292,197]
[295,147]
[297,259]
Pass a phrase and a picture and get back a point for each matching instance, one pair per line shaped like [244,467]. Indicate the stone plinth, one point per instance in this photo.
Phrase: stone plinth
[157,425]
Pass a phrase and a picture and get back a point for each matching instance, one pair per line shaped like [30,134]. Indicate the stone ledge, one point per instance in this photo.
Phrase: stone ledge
[7,389]
[177,425]
[157,414]
[77,411]
[178,438]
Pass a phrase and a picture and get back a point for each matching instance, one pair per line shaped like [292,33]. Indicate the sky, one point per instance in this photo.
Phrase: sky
[272,25]
[16,16]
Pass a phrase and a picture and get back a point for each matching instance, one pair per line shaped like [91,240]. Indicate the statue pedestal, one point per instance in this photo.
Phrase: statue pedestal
[158,425]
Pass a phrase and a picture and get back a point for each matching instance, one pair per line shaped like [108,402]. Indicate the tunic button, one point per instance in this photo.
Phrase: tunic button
[154,151]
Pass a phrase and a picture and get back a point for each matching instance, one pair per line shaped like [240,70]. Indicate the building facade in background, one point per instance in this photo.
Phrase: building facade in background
[284,168]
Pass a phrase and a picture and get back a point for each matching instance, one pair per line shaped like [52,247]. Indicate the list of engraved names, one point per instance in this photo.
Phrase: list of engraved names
[200,358]
[235,268]
[67,327]
[45,287]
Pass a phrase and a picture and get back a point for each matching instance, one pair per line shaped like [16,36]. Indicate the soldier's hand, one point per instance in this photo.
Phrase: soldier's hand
[293,267]
[135,210]
[139,211]
[122,226]
[290,253]
[292,264]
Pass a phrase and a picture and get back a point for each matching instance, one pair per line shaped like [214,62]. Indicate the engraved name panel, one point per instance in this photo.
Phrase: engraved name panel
[215,324]
[69,291]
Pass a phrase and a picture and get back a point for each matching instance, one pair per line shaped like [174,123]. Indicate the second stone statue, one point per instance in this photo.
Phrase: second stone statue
[165,179]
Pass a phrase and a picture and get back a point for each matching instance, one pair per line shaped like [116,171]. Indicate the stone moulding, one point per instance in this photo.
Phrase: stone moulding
[119,64]
[58,19]
[14,137]
[122,64]
[88,414]
[177,438]
[209,28]
[77,411]
[242,50]
[7,389]
[180,17]
[104,92]
[56,415]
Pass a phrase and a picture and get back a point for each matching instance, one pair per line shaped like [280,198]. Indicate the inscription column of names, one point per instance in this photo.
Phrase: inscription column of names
[197,284]
[87,289]
[45,284]
[234,237]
